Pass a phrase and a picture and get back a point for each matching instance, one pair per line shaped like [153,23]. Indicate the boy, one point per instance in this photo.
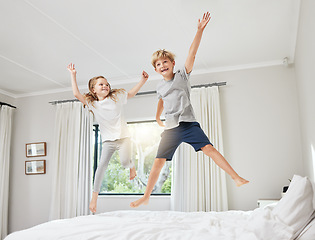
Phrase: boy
[180,123]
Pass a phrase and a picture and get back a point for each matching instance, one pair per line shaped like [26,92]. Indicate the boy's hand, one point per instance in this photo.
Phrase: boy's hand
[144,76]
[204,21]
[161,124]
[195,44]
[71,69]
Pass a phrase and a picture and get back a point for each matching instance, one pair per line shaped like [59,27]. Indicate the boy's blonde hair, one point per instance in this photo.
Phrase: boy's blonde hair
[91,97]
[162,53]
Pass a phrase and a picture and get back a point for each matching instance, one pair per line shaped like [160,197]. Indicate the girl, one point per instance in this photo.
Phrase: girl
[106,105]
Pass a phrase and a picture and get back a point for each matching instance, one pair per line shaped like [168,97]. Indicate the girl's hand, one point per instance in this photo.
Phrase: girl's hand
[204,21]
[144,76]
[135,89]
[71,69]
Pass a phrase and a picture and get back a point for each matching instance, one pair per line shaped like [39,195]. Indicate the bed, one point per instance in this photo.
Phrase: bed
[291,218]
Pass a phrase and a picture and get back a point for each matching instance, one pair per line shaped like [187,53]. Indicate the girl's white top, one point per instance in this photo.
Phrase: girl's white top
[109,115]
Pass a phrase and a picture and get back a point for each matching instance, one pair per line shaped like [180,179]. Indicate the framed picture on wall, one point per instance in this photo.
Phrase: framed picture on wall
[35,149]
[35,167]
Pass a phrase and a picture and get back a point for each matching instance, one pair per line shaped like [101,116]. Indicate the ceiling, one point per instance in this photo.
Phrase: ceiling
[116,39]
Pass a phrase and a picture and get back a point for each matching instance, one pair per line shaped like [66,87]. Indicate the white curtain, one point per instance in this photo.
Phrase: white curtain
[6,114]
[72,179]
[198,183]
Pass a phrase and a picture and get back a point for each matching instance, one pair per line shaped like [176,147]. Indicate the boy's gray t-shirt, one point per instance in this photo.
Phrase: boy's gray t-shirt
[176,97]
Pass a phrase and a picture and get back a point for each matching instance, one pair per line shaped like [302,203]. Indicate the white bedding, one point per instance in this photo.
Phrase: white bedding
[258,224]
[284,221]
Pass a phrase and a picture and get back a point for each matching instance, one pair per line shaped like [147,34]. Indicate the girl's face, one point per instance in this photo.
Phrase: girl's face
[101,88]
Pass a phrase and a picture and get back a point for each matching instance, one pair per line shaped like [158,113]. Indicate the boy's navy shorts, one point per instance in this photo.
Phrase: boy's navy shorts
[188,132]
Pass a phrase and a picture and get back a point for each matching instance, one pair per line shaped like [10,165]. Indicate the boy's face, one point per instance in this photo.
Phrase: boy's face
[165,66]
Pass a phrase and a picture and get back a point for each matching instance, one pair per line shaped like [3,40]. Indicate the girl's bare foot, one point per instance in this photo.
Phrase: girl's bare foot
[239,181]
[93,202]
[92,206]
[133,173]
[139,202]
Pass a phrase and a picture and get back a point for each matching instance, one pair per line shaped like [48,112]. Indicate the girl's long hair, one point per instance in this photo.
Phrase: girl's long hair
[90,97]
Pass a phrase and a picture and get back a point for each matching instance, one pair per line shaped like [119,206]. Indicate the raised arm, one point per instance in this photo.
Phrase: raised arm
[74,84]
[159,111]
[196,42]
[135,89]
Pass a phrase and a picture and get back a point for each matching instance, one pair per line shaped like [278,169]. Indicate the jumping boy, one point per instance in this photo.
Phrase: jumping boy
[180,122]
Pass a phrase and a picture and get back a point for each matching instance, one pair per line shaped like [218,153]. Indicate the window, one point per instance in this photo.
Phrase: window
[145,138]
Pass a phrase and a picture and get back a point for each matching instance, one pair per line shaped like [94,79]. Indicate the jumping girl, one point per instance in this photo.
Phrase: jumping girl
[107,104]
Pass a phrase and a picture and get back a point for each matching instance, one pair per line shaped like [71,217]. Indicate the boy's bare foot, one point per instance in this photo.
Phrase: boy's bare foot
[93,202]
[239,181]
[133,173]
[139,202]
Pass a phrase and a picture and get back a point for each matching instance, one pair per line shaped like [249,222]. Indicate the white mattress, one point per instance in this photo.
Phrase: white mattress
[119,225]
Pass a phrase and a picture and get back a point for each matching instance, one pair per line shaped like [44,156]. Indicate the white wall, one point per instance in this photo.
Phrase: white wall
[30,194]
[261,137]
[115,202]
[305,75]
[261,132]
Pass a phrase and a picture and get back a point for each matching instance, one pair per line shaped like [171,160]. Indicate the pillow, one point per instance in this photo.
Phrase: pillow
[296,207]
[308,232]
